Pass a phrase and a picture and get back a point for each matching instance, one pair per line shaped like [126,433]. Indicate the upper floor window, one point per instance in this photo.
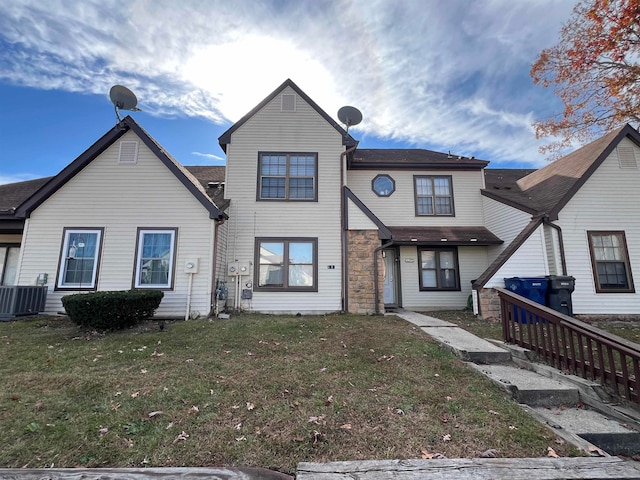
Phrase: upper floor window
[433,195]
[79,259]
[287,176]
[383,185]
[155,258]
[610,262]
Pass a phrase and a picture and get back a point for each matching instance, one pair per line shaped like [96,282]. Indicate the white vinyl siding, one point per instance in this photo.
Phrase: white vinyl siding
[608,201]
[271,130]
[398,209]
[528,261]
[357,219]
[120,200]
[504,221]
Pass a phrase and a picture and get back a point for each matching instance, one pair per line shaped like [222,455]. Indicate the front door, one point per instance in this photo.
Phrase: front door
[390,284]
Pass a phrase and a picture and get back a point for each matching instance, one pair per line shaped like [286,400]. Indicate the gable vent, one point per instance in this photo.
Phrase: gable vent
[627,157]
[288,102]
[128,152]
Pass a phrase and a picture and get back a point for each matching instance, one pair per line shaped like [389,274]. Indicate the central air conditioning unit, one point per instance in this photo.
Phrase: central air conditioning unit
[21,300]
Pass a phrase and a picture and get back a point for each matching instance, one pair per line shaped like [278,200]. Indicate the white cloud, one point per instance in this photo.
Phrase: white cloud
[449,75]
[210,156]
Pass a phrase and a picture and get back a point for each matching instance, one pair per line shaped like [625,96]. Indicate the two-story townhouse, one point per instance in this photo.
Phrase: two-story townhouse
[320,225]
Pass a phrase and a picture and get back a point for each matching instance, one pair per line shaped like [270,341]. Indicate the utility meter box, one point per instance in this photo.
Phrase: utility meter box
[191,265]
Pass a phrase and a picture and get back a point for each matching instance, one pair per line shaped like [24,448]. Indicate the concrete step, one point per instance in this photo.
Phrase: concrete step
[463,344]
[595,428]
[529,387]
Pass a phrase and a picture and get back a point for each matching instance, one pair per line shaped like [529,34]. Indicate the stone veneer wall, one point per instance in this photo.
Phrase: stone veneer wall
[489,303]
[362,245]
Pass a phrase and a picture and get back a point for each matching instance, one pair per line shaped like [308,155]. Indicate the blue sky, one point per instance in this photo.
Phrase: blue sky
[446,76]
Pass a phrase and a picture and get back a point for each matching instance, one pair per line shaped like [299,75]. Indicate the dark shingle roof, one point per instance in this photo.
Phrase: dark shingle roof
[413,158]
[547,190]
[13,194]
[211,174]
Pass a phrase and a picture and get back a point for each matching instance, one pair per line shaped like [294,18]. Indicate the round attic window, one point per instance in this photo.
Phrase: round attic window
[383,185]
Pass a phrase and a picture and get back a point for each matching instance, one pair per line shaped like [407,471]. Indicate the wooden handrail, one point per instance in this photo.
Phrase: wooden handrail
[572,345]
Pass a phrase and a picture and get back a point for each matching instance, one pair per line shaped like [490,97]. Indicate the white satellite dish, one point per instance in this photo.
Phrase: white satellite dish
[123,99]
[349,116]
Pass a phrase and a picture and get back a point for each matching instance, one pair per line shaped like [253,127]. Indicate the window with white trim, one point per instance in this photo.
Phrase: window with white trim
[286,264]
[79,259]
[439,269]
[287,176]
[610,262]
[433,195]
[9,263]
[155,258]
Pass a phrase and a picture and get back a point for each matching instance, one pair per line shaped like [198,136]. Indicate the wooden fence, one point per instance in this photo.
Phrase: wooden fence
[571,345]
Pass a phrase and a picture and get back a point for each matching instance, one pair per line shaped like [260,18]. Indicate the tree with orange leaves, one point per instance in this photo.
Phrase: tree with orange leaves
[595,71]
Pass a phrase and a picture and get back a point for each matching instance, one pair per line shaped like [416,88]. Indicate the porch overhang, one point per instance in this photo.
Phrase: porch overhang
[442,236]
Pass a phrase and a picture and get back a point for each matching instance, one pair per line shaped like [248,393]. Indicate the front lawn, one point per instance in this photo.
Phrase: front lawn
[253,390]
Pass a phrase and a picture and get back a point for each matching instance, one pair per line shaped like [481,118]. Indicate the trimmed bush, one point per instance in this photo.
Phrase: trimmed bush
[113,310]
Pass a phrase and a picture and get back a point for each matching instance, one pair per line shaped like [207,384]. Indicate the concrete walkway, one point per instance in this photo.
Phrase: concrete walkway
[578,410]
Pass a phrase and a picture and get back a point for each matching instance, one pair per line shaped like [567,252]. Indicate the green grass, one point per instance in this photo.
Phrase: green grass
[253,390]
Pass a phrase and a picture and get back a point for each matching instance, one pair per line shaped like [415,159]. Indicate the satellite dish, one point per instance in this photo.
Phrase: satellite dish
[349,116]
[123,99]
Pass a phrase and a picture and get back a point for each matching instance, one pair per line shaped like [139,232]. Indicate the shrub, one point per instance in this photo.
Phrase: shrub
[111,310]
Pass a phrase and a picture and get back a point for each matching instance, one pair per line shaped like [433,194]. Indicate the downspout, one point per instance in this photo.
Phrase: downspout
[344,280]
[375,273]
[563,260]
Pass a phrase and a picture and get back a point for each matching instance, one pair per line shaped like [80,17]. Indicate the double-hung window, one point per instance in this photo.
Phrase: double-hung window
[610,262]
[433,195]
[79,259]
[286,264]
[155,260]
[287,176]
[439,269]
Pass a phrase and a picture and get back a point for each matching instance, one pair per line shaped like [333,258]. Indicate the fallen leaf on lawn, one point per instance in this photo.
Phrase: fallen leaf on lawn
[117,394]
[127,442]
[491,453]
[329,400]
[316,420]
[437,375]
[596,452]
[156,413]
[444,420]
[238,426]
[317,437]
[399,411]
[235,407]
[193,410]
[448,398]
[103,431]
[241,439]
[552,453]
[250,406]
[169,425]
[116,406]
[346,426]
[294,404]
[183,436]
[135,394]
[144,370]
[323,369]
[512,427]
[560,441]
[156,353]
[426,455]
[227,351]
[250,354]
[446,438]
[189,360]
[493,412]
[439,456]
[39,405]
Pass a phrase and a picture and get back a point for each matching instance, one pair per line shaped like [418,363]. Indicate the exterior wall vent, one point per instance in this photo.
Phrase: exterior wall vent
[128,152]
[627,157]
[288,102]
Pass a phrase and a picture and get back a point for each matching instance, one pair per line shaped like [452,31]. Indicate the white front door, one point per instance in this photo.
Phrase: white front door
[390,282]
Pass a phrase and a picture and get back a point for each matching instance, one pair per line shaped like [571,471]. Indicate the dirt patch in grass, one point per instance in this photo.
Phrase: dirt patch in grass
[253,390]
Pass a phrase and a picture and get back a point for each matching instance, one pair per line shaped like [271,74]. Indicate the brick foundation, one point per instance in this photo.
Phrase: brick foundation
[361,292]
[489,304]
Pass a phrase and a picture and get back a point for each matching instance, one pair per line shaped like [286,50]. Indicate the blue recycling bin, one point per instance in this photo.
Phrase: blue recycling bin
[532,288]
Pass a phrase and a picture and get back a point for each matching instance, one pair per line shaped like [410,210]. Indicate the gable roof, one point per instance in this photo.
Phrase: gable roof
[411,158]
[225,138]
[548,190]
[108,139]
[13,194]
